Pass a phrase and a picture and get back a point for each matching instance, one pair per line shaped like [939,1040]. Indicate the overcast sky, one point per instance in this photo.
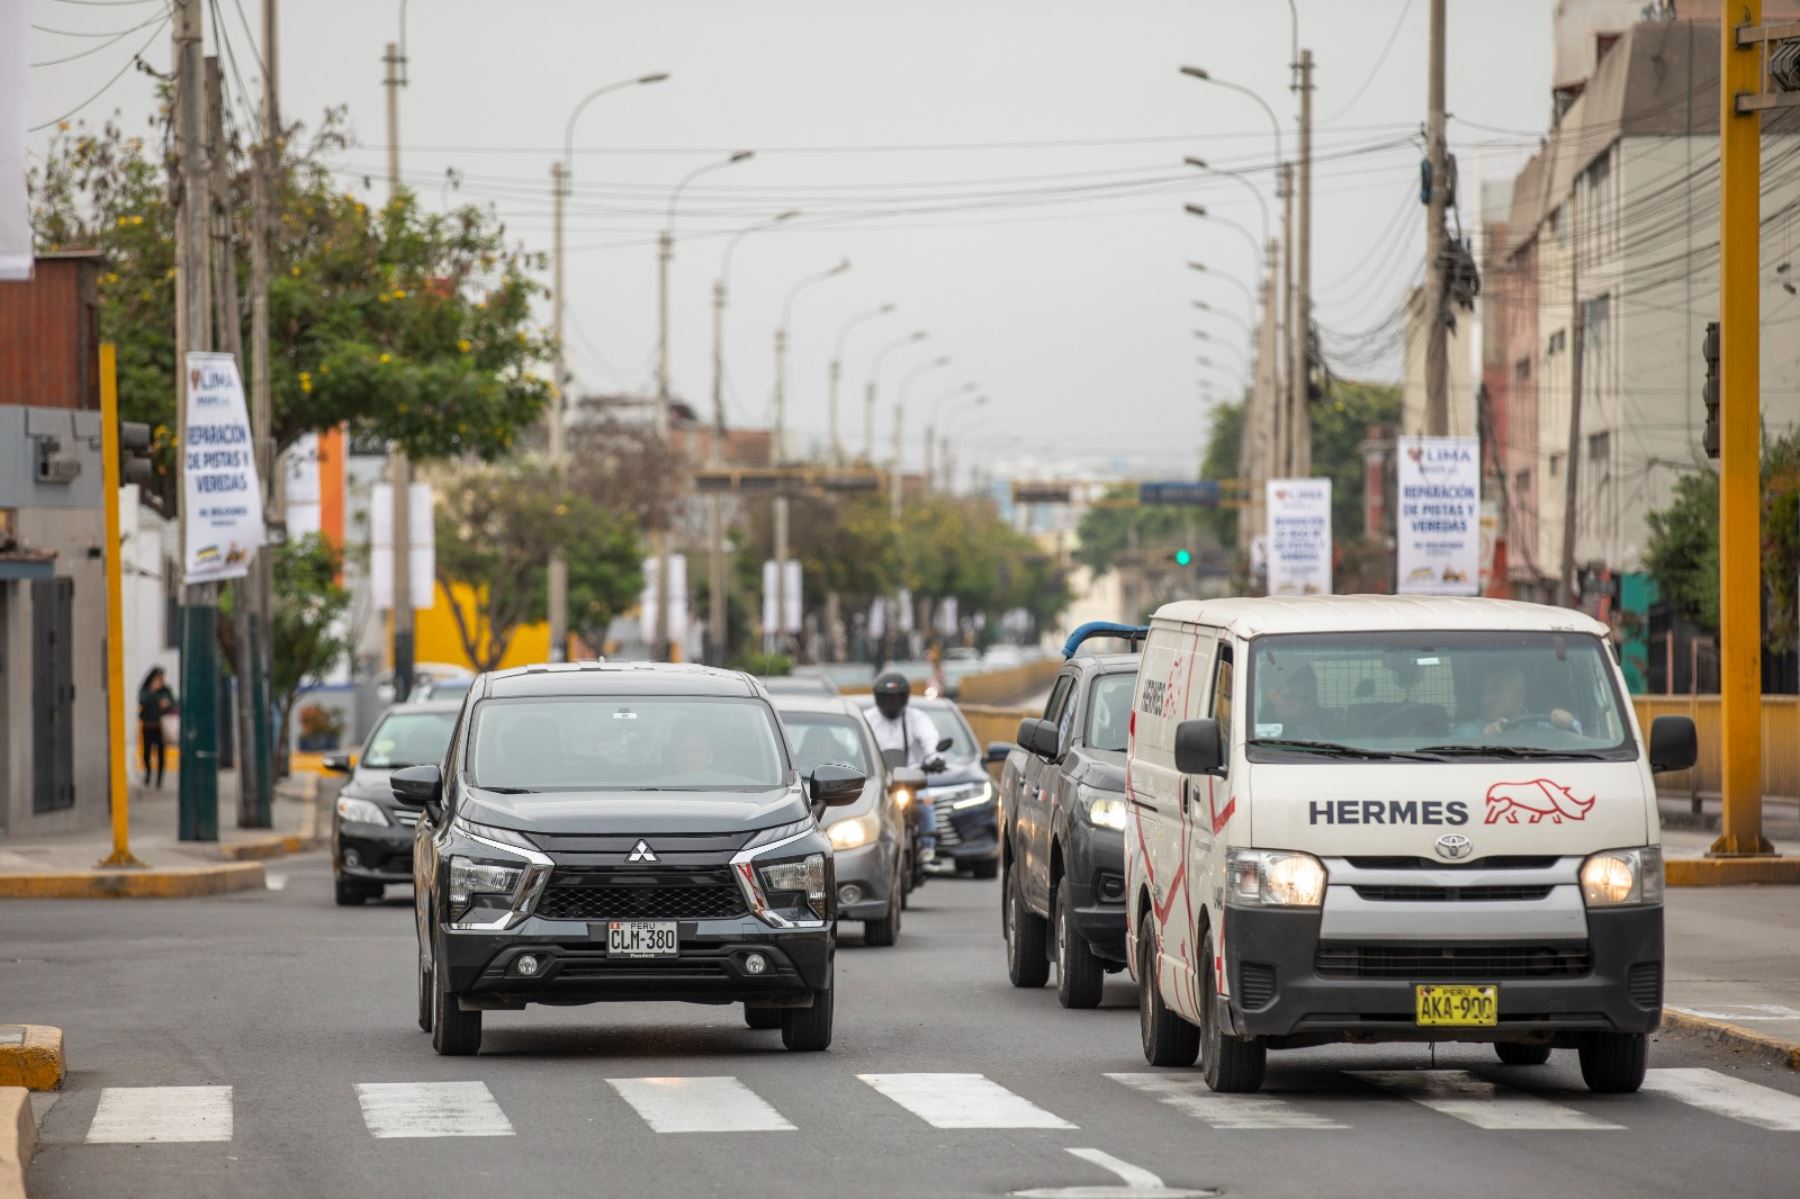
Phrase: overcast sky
[1008,172]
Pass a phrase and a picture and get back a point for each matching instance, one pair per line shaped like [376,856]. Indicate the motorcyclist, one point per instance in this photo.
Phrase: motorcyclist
[900,728]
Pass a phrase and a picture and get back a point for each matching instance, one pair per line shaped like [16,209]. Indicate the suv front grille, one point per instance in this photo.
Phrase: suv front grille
[1452,963]
[578,894]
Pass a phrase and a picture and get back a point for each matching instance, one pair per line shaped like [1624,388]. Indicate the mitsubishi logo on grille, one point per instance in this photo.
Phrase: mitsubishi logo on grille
[641,852]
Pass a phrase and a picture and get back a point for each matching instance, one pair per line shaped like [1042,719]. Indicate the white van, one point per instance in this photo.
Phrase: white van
[1388,818]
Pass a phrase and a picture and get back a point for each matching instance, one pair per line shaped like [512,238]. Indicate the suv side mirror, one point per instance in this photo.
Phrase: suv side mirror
[1674,744]
[417,786]
[1199,747]
[834,786]
[337,762]
[944,744]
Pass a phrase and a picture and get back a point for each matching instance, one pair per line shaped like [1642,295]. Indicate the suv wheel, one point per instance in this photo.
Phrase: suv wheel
[1613,1063]
[1027,952]
[426,998]
[808,1029]
[1168,1039]
[454,1032]
[762,1017]
[1230,1064]
[352,893]
[1080,978]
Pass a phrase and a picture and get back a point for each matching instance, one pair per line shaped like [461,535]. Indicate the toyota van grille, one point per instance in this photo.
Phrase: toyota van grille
[1452,963]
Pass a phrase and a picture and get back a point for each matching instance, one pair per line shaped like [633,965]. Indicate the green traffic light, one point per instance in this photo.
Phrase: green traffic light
[1183,558]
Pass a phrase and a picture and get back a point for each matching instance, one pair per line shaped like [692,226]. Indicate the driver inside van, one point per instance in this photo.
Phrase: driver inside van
[1503,704]
[1292,701]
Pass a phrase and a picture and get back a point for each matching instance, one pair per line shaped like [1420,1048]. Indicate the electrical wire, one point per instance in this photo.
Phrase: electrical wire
[1380,61]
[120,74]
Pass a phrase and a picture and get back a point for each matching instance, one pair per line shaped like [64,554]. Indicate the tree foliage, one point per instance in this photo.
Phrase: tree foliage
[1340,424]
[309,637]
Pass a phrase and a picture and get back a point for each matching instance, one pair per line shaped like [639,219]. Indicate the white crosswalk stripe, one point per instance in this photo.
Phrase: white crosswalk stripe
[1724,1095]
[1189,1094]
[157,1115]
[962,1101]
[431,1109]
[1480,1102]
[719,1104]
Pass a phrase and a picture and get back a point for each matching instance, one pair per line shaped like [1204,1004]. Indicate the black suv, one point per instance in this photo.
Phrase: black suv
[625,831]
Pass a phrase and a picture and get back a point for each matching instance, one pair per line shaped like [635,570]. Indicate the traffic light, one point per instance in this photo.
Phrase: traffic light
[1709,393]
[135,465]
[1184,557]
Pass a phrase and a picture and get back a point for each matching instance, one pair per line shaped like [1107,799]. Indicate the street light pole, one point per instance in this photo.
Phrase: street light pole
[894,480]
[937,409]
[837,364]
[661,646]
[1200,164]
[1256,247]
[869,397]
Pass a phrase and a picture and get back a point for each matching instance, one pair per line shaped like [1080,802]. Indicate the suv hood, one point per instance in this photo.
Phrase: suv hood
[637,813]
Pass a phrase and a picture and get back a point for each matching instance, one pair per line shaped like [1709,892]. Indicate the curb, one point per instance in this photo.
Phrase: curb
[31,1056]
[263,848]
[18,1138]
[181,883]
[1731,872]
[1771,1049]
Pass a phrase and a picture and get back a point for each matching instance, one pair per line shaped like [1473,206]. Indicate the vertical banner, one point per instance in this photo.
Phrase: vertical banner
[790,622]
[422,547]
[1299,536]
[1438,523]
[300,466]
[678,601]
[15,213]
[221,501]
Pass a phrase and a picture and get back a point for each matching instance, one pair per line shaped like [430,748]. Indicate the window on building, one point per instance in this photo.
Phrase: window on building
[1522,369]
[1521,486]
[1599,447]
[1556,466]
[1559,340]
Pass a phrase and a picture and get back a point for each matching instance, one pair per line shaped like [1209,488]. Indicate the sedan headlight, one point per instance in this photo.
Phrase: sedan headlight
[469,878]
[1620,877]
[360,811]
[1107,811]
[803,877]
[903,797]
[1273,878]
[855,832]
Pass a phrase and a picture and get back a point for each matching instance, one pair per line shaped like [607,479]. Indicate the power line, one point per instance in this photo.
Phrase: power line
[120,74]
[1376,69]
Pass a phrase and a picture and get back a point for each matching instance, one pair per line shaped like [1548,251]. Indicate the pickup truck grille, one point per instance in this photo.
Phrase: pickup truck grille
[1452,963]
[581,894]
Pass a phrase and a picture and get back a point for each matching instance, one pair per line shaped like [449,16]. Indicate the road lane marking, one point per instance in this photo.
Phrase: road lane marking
[1189,1094]
[1135,1183]
[1724,1095]
[715,1104]
[1482,1103]
[152,1115]
[962,1101]
[431,1109]
[275,882]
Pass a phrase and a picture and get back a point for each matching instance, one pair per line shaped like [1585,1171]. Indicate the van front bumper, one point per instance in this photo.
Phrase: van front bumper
[1294,988]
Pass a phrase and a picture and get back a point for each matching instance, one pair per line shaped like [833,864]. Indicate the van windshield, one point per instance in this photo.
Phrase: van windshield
[1435,695]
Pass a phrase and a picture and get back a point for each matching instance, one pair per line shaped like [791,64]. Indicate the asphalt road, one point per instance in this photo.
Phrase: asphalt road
[289,1024]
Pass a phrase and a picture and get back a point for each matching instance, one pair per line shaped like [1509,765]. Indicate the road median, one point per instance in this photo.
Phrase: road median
[182,882]
[1773,1050]
[1732,872]
[31,1056]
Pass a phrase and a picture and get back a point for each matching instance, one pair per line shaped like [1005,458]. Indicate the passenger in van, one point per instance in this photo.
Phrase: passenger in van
[1293,702]
[1503,695]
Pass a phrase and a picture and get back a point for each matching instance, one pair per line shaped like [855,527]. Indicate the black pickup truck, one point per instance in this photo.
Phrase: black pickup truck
[1062,795]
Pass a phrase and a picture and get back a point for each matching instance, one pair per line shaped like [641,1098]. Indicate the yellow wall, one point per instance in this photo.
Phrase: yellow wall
[435,638]
[1780,737]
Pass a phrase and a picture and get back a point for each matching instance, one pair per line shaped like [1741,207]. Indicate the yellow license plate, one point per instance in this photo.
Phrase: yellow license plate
[1465,1007]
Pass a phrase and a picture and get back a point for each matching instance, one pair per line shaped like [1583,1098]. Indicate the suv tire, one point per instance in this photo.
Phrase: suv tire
[425,998]
[351,893]
[1027,947]
[808,1029]
[988,868]
[1613,1063]
[1231,1065]
[1512,1053]
[454,1032]
[1080,977]
[1168,1039]
[762,1017]
[884,932]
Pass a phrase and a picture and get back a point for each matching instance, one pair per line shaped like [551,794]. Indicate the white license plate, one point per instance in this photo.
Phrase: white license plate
[641,939]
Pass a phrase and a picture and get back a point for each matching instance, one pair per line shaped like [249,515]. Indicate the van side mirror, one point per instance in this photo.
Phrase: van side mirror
[416,786]
[1674,744]
[834,786]
[1199,747]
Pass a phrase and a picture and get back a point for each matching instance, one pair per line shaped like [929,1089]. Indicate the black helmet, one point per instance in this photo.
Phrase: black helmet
[891,693]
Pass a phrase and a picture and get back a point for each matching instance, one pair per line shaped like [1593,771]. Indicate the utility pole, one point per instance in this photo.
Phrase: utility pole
[1284,455]
[717,629]
[399,469]
[1565,592]
[199,778]
[781,499]
[1302,464]
[659,538]
[1437,350]
[557,582]
[264,179]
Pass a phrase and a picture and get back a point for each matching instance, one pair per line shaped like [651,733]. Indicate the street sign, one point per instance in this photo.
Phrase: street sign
[1190,493]
[1041,493]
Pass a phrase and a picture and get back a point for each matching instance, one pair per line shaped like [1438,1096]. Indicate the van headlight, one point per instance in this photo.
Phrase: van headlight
[469,878]
[1273,878]
[1622,877]
[360,811]
[1107,811]
[855,832]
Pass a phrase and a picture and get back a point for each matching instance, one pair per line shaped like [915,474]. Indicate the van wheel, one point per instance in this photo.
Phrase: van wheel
[1231,1065]
[808,1029]
[1168,1039]
[1080,978]
[1512,1053]
[1613,1063]
[454,1032]
[1027,954]
[762,1017]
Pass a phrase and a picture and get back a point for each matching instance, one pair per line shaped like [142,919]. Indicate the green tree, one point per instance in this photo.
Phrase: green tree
[1221,462]
[307,622]
[1107,529]
[1340,424]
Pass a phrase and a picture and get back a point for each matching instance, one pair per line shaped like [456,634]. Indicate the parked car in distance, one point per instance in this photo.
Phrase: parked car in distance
[371,832]
[1062,793]
[968,833]
[799,684]
[870,846]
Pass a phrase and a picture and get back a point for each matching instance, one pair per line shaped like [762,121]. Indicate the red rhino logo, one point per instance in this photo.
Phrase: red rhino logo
[1537,799]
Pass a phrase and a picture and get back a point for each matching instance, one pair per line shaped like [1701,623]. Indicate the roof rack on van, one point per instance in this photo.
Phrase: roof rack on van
[1132,633]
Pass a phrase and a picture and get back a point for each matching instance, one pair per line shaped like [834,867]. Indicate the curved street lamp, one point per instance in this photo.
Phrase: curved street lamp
[837,370]
[875,374]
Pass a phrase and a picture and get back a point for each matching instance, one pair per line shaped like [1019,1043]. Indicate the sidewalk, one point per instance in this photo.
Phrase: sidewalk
[67,865]
[1733,966]
[1781,814]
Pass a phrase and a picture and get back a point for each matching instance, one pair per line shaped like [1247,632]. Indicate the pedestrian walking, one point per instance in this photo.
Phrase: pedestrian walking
[155,701]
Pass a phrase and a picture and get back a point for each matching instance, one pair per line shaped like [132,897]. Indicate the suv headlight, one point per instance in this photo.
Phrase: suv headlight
[1620,877]
[967,795]
[360,811]
[1273,878]
[855,832]
[469,878]
[1107,811]
[803,878]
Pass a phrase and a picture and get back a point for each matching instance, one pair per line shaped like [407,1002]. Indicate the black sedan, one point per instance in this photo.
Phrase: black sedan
[371,833]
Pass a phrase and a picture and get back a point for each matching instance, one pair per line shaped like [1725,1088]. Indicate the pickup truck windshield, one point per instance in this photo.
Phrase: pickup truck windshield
[625,743]
[1109,712]
[1349,697]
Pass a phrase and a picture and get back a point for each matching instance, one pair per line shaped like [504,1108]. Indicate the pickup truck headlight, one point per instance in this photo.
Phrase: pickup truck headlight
[1621,877]
[803,877]
[855,832]
[469,878]
[360,811]
[1107,811]
[1273,878]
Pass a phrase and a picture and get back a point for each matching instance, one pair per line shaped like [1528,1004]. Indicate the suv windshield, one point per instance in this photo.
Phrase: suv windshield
[1109,712]
[820,738]
[625,743]
[408,739]
[1450,695]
